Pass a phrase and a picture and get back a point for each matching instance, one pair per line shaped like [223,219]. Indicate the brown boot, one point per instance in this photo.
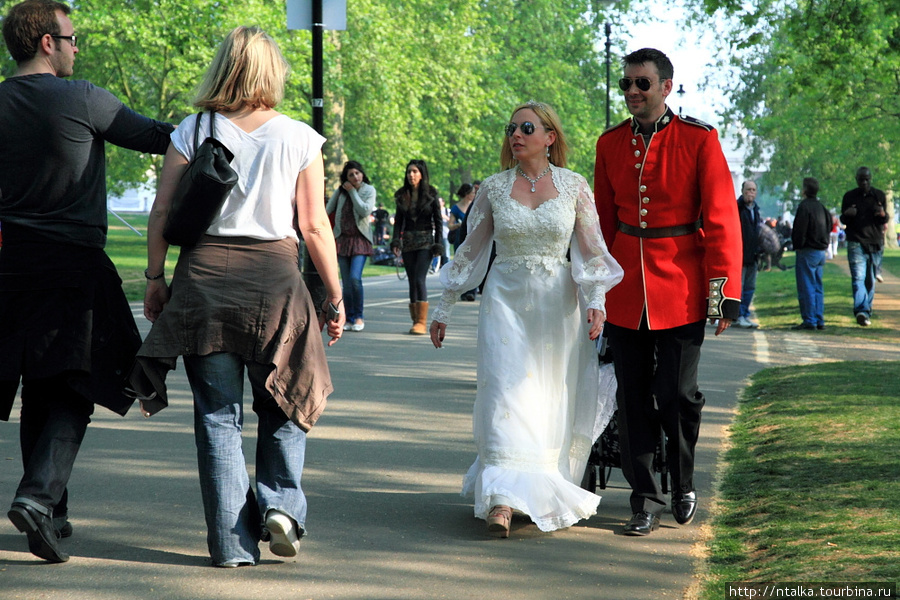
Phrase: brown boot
[420,320]
[412,314]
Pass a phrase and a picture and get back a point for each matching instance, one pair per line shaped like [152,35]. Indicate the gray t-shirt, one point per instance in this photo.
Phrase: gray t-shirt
[52,160]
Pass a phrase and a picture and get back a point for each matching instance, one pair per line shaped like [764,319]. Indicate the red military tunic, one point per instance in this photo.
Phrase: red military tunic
[676,180]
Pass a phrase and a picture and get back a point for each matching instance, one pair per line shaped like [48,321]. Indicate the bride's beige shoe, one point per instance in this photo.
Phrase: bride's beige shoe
[498,521]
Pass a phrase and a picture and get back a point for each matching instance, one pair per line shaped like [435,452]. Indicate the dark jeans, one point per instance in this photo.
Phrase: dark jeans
[351,283]
[656,373]
[417,263]
[53,423]
[748,287]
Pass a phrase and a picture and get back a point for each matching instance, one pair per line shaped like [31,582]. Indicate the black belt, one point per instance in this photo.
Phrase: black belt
[661,232]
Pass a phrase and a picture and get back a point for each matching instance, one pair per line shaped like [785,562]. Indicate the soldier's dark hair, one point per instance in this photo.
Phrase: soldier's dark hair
[651,55]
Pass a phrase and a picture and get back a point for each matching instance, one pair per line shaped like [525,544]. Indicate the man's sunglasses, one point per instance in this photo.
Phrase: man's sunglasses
[642,83]
[73,39]
[527,128]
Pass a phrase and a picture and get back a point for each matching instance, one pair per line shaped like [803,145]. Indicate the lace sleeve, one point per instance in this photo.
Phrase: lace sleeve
[470,263]
[593,267]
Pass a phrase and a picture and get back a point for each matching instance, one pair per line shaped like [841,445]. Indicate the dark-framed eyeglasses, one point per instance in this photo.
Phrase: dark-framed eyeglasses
[642,83]
[527,128]
[73,39]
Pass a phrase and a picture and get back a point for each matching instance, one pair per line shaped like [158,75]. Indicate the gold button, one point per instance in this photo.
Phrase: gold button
[637,165]
[645,200]
[643,225]
[633,141]
[643,212]
[637,152]
[643,188]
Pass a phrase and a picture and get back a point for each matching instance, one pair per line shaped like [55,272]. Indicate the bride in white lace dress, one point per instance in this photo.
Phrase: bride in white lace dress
[538,406]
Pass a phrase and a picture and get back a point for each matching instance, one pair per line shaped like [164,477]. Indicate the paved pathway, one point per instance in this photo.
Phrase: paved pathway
[384,466]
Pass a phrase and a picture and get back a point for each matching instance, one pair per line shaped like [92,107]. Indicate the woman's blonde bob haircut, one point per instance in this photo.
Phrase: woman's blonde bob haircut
[559,150]
[247,71]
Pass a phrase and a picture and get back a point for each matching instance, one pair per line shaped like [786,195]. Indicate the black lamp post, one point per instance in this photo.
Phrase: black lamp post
[608,29]
[681,92]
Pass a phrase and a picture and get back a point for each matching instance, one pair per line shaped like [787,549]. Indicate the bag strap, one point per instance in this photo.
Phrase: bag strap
[212,124]
[212,128]
[197,132]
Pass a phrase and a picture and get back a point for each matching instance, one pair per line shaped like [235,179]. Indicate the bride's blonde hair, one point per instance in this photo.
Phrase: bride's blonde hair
[559,150]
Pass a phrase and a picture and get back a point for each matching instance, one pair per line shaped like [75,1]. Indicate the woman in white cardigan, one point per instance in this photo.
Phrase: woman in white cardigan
[351,204]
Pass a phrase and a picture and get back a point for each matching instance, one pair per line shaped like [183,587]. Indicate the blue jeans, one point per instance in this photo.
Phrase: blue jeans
[234,515]
[351,282]
[748,287]
[863,268]
[810,288]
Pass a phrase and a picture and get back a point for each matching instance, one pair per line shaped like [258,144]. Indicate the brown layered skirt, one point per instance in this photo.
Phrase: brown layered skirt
[245,296]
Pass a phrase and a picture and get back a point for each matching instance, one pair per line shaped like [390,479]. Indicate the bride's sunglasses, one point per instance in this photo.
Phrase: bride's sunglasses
[527,128]
[642,83]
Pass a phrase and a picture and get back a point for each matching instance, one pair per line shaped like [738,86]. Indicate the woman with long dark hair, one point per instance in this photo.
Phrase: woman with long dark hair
[418,236]
[351,204]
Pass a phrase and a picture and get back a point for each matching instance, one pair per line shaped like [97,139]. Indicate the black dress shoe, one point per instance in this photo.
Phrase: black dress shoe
[62,526]
[684,506]
[802,326]
[641,523]
[40,531]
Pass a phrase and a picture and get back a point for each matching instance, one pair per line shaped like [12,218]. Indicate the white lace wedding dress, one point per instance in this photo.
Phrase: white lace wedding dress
[538,406]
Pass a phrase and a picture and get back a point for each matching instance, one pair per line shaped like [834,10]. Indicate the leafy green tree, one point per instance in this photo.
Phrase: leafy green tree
[815,85]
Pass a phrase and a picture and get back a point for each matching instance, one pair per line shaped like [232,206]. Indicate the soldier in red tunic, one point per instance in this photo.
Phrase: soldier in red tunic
[665,199]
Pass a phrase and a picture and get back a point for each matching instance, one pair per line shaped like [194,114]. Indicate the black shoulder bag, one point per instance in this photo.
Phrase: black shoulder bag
[202,190]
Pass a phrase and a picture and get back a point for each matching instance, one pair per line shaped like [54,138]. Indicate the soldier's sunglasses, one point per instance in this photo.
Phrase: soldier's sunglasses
[642,83]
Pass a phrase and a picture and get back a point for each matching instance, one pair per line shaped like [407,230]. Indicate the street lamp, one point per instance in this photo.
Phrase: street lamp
[608,30]
[681,92]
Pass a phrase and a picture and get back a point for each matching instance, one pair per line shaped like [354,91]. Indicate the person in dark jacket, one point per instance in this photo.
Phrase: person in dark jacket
[66,330]
[863,211]
[748,211]
[812,227]
[418,236]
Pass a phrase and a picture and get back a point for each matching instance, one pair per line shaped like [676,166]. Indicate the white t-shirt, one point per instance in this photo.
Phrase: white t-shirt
[267,161]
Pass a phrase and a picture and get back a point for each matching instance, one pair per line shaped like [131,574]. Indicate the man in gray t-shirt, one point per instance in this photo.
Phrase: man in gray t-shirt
[66,330]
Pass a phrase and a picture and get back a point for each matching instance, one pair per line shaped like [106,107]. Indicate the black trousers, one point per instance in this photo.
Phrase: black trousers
[417,264]
[656,373]
[53,423]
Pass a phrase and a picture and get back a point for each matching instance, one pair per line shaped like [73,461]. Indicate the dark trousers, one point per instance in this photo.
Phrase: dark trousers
[417,263]
[656,373]
[53,423]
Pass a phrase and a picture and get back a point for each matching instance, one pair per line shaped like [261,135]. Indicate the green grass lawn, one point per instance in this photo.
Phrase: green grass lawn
[811,487]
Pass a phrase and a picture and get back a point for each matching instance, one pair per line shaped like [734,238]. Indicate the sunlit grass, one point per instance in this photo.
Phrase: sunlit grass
[811,487]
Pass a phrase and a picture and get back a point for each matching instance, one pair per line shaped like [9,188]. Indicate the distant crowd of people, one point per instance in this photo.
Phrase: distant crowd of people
[814,234]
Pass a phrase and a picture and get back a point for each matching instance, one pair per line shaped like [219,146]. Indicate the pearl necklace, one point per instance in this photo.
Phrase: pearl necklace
[535,180]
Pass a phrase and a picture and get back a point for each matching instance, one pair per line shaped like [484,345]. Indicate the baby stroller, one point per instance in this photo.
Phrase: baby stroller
[605,453]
